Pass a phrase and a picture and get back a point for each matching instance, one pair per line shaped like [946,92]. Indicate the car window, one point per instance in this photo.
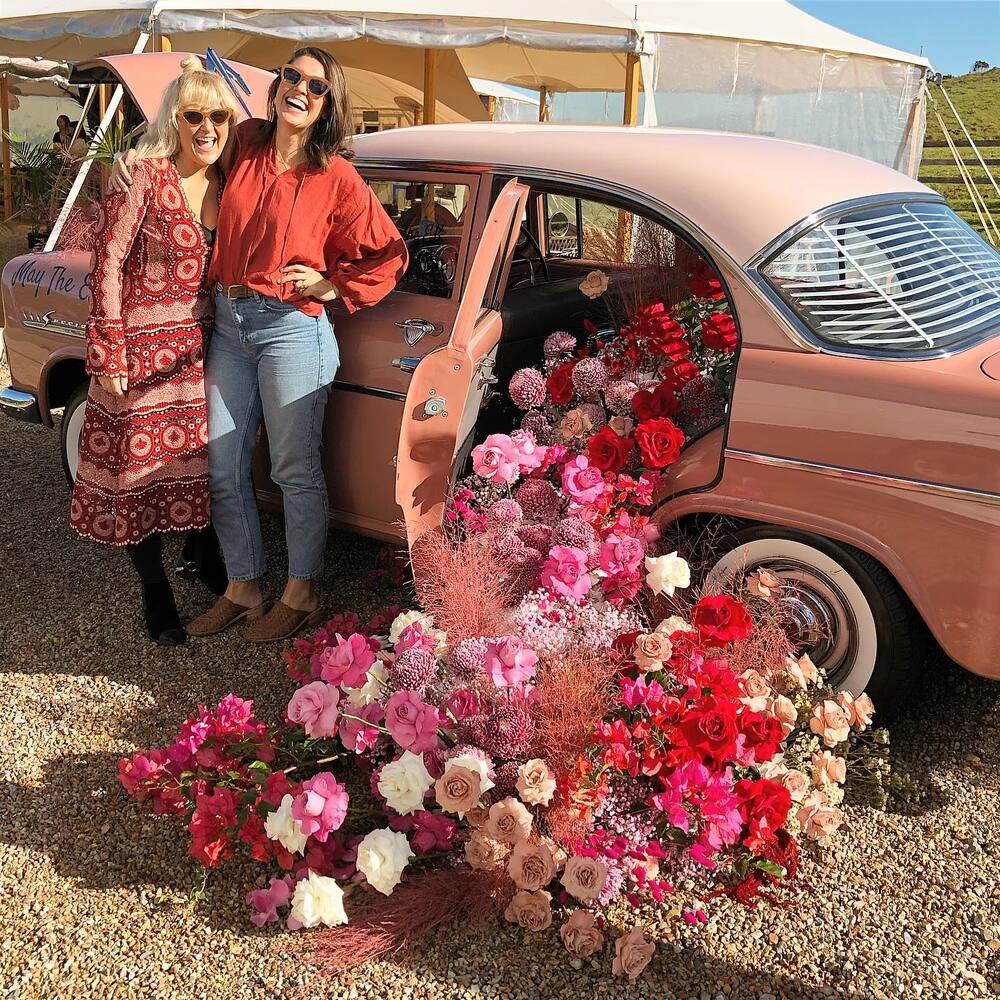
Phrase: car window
[580,228]
[906,278]
[432,218]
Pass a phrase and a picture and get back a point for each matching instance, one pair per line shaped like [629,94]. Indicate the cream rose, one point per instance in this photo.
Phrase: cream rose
[594,285]
[318,900]
[457,790]
[756,690]
[404,782]
[581,935]
[665,574]
[797,784]
[862,711]
[674,624]
[575,424]
[651,650]
[802,671]
[584,878]
[817,818]
[784,710]
[476,764]
[531,866]
[483,852]
[509,821]
[632,954]
[372,689]
[530,910]
[535,783]
[622,426]
[830,722]
[382,856]
[763,584]
[828,770]
[476,818]
[283,827]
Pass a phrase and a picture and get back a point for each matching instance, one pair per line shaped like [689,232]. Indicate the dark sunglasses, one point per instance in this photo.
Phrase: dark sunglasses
[317,86]
[219,117]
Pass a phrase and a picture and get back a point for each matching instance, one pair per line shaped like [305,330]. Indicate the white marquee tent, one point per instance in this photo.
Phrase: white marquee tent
[747,65]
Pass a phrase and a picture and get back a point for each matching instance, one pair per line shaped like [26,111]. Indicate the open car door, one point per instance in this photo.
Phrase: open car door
[448,385]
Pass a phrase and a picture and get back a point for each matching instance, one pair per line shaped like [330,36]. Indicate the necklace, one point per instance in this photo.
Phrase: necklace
[287,164]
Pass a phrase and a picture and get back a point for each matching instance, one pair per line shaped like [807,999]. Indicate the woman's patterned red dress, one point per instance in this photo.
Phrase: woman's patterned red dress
[143,457]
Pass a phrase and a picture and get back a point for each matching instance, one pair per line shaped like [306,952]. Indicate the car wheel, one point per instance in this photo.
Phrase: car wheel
[845,609]
[72,431]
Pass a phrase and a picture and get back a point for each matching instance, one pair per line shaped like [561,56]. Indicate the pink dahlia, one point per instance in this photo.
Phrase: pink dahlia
[575,532]
[539,501]
[527,388]
[536,536]
[507,730]
[504,515]
[412,669]
[558,343]
[536,423]
[590,375]
[618,397]
[467,659]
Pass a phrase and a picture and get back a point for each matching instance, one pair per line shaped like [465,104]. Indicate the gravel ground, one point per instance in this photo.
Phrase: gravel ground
[100,900]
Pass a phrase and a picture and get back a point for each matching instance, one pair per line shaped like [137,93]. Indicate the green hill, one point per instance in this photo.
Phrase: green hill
[976,97]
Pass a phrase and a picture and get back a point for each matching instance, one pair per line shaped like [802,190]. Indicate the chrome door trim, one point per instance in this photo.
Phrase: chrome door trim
[369,390]
[864,476]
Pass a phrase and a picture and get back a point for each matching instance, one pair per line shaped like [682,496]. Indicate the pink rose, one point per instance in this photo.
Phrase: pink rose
[535,783]
[584,877]
[530,455]
[508,821]
[756,689]
[411,722]
[314,708]
[509,663]
[414,637]
[531,866]
[457,790]
[497,459]
[565,572]
[862,710]
[594,285]
[796,783]
[632,954]
[784,710]
[831,722]
[828,770]
[818,819]
[320,806]
[530,910]
[581,935]
[363,735]
[802,671]
[463,703]
[621,554]
[347,663]
[582,481]
[483,852]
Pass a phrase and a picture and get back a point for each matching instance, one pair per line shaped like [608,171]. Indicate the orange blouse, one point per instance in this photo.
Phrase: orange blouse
[326,219]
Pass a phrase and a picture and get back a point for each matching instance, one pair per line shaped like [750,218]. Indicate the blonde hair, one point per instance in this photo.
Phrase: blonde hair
[194,88]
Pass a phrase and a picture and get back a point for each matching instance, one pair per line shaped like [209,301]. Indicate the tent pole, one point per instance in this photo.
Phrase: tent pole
[543,100]
[430,87]
[8,186]
[161,43]
[632,76]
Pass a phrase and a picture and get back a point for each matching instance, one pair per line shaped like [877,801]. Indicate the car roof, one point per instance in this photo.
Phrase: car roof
[743,191]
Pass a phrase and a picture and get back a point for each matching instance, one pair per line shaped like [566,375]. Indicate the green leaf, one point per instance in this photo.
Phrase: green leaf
[770,867]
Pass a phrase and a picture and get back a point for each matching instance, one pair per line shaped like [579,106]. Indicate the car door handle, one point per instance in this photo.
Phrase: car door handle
[408,364]
[415,329]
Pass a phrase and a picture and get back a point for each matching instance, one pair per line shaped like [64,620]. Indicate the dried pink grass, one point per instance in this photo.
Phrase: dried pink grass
[766,647]
[385,925]
[462,585]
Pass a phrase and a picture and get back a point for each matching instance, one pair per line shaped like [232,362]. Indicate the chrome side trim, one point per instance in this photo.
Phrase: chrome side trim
[862,476]
[369,390]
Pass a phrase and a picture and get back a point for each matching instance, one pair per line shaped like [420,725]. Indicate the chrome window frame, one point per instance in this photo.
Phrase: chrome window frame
[760,260]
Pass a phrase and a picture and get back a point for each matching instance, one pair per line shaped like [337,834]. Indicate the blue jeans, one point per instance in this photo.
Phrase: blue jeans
[268,360]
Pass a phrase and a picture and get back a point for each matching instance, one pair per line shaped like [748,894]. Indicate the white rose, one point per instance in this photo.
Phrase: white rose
[664,574]
[282,826]
[403,783]
[477,765]
[371,691]
[406,618]
[318,900]
[674,624]
[382,856]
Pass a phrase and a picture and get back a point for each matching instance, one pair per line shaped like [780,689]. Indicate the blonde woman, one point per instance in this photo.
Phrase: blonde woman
[143,454]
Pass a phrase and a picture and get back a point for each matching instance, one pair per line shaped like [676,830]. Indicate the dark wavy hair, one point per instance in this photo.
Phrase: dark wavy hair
[332,131]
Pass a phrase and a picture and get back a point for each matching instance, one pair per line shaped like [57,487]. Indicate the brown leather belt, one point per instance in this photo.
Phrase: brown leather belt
[237,291]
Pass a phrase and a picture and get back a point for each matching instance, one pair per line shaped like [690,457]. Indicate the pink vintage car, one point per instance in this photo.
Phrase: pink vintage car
[854,450]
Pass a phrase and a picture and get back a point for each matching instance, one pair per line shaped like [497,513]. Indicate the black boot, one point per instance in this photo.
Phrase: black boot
[162,621]
[200,559]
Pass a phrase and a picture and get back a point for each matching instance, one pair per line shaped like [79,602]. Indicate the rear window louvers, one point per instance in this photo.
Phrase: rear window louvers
[908,278]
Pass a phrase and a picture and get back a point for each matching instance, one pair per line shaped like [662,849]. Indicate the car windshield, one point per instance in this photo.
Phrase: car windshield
[906,278]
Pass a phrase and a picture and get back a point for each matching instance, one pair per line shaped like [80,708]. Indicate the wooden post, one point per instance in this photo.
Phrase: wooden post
[430,87]
[543,104]
[491,107]
[161,43]
[632,77]
[8,184]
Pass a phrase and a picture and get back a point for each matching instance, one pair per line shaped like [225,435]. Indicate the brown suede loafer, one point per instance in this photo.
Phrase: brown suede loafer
[282,622]
[221,615]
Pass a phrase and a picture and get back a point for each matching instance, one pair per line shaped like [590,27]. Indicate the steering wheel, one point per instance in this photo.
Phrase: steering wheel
[525,237]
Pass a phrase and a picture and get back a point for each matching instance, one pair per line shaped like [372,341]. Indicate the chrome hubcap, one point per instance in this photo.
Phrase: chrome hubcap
[819,618]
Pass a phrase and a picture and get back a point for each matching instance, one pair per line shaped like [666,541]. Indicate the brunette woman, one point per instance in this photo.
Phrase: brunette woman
[143,452]
[298,228]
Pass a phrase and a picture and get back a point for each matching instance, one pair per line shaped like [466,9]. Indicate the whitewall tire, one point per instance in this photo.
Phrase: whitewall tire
[72,431]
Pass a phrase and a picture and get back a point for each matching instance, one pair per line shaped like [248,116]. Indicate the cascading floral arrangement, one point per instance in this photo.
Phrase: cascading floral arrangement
[558,734]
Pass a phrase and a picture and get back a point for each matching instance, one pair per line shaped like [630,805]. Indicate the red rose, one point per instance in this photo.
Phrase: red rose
[703,281]
[660,442]
[608,451]
[721,617]
[670,344]
[661,402]
[708,729]
[764,734]
[681,373]
[560,383]
[763,804]
[718,332]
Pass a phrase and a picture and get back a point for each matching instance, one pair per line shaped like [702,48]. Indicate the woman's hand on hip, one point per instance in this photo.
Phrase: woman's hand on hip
[121,171]
[308,281]
[117,385]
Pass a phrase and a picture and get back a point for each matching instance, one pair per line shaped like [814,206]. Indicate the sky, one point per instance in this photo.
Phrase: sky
[953,34]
